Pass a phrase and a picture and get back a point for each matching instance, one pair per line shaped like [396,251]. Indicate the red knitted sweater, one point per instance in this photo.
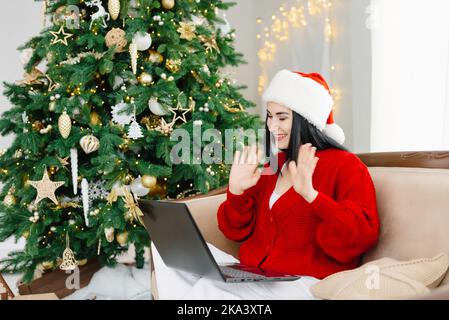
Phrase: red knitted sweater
[314,239]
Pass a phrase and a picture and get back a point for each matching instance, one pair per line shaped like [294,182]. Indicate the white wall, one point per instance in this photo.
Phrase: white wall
[242,17]
[19,21]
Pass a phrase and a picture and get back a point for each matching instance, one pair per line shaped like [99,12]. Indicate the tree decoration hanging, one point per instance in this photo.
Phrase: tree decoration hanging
[134,130]
[164,127]
[148,181]
[132,206]
[142,40]
[168,4]
[109,234]
[114,8]
[99,15]
[179,110]
[46,188]
[64,125]
[10,199]
[57,36]
[156,108]
[34,77]
[209,43]
[138,188]
[122,238]
[68,257]
[74,168]
[155,57]
[85,196]
[173,65]
[116,37]
[145,79]
[119,116]
[89,143]
[187,31]
[134,56]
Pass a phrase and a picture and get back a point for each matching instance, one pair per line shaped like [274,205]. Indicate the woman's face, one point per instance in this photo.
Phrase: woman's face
[279,122]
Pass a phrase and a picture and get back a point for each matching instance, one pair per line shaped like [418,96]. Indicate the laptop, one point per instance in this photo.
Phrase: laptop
[182,247]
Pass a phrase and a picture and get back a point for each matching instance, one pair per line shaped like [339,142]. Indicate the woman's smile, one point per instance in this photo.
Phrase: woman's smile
[280,137]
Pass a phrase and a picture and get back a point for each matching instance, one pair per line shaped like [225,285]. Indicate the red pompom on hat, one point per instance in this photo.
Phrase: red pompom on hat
[307,94]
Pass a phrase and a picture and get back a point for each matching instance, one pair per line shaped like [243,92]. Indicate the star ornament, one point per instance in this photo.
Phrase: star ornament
[64,162]
[46,188]
[179,113]
[58,38]
[210,43]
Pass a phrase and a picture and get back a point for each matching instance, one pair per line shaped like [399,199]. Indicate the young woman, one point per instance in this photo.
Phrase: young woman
[318,215]
[314,215]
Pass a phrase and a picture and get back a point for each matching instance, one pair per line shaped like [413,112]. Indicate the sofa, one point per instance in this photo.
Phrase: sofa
[412,190]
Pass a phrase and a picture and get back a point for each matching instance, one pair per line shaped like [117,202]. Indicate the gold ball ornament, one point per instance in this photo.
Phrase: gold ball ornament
[155,57]
[82,262]
[9,200]
[114,8]
[64,125]
[116,36]
[48,265]
[95,118]
[148,181]
[160,190]
[109,234]
[25,234]
[37,125]
[168,4]
[89,144]
[145,79]
[122,238]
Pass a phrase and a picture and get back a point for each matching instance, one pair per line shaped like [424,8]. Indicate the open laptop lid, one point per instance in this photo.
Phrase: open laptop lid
[177,238]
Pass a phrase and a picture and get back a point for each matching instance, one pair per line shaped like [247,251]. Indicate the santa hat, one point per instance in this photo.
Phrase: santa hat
[308,95]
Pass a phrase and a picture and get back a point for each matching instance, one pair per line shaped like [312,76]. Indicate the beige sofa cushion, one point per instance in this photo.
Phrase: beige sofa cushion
[385,278]
[413,207]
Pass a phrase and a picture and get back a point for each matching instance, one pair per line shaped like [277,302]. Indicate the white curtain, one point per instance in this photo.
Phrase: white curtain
[410,93]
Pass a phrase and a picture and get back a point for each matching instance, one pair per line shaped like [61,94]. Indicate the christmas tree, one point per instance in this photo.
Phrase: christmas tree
[106,84]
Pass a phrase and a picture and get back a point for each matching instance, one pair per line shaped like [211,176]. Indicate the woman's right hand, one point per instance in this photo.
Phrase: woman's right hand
[244,171]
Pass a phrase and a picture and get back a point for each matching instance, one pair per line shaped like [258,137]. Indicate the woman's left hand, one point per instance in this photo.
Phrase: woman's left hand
[302,172]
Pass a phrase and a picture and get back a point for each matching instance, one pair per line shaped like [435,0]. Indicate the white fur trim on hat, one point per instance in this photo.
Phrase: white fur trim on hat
[303,95]
[335,132]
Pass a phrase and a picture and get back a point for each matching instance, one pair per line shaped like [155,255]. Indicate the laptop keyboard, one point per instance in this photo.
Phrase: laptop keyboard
[234,273]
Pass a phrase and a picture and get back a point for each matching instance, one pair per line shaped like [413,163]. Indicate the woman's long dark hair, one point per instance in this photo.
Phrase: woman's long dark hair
[302,132]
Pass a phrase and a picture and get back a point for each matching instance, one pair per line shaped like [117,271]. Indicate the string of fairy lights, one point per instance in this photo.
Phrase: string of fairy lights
[277,31]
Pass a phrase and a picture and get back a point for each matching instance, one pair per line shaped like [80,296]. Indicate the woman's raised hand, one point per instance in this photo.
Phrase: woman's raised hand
[302,172]
[244,171]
